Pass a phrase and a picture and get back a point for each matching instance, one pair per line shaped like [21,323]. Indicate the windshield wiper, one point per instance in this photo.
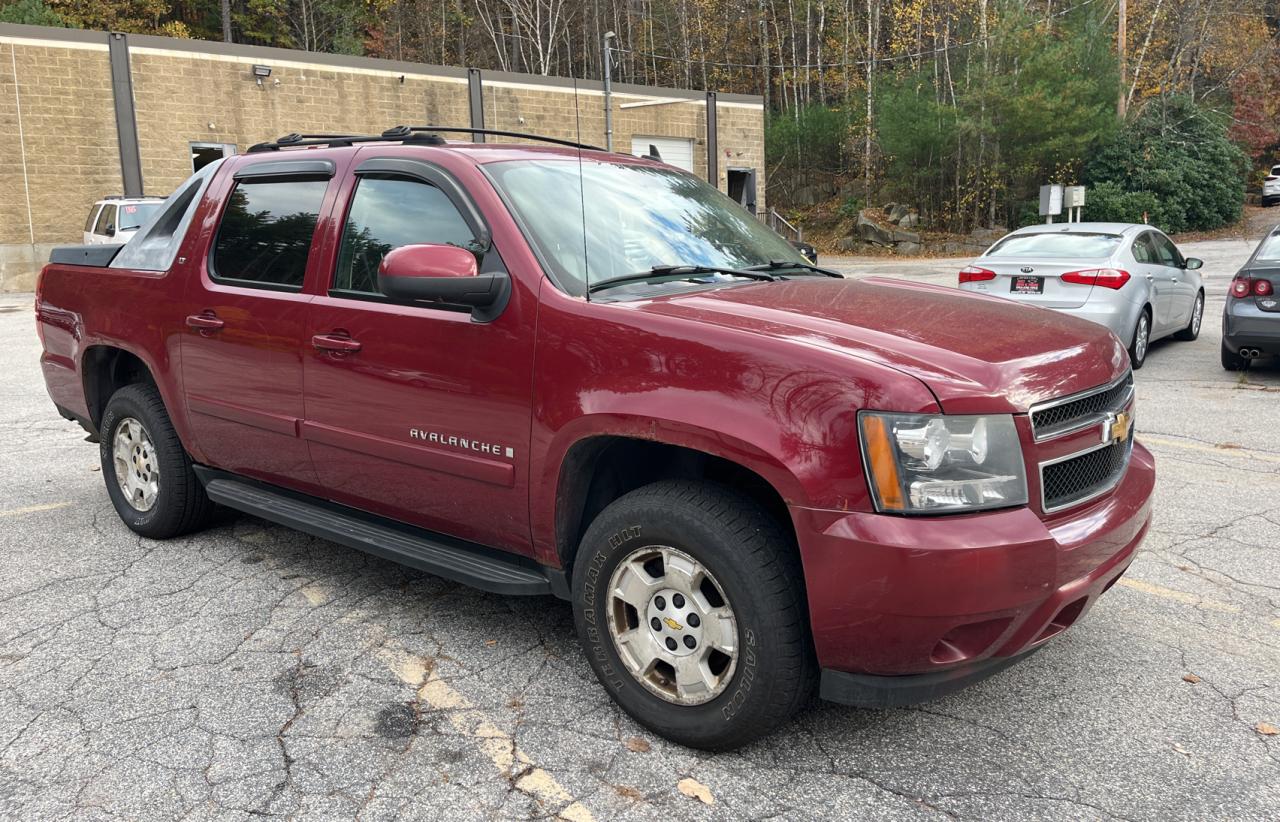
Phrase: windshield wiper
[777,265]
[677,272]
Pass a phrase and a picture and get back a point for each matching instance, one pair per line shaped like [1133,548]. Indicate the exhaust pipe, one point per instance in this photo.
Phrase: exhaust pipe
[1250,353]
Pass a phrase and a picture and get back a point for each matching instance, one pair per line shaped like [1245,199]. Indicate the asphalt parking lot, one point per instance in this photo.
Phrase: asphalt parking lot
[252,671]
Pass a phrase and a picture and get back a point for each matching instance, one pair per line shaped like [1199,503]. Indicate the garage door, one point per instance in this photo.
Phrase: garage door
[675,151]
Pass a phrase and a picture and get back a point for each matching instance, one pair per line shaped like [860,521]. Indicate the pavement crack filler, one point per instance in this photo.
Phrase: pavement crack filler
[524,774]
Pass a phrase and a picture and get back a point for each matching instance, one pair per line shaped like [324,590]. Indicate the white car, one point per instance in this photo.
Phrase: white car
[115,219]
[1129,277]
[1271,188]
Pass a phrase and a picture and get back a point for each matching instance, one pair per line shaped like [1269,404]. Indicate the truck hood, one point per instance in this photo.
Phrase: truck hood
[977,354]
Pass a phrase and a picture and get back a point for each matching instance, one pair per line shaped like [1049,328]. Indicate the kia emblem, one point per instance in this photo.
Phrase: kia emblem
[1026,269]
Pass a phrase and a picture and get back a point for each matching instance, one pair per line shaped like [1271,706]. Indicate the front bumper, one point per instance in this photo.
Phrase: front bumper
[910,608]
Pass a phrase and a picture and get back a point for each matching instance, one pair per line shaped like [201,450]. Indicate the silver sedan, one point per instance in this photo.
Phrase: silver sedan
[1130,278]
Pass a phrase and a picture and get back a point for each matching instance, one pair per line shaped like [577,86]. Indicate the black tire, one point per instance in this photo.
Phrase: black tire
[1232,361]
[1135,360]
[757,567]
[181,504]
[1193,327]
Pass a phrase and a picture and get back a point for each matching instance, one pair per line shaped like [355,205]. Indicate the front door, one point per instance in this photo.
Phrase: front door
[246,316]
[1179,289]
[1147,254]
[414,412]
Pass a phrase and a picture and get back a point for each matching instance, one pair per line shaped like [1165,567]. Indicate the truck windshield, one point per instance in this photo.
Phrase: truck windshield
[635,216]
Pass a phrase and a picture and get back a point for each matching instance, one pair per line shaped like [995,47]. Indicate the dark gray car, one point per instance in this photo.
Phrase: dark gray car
[1251,317]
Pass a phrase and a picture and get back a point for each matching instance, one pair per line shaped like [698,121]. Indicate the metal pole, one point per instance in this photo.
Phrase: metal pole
[475,100]
[126,119]
[713,149]
[608,92]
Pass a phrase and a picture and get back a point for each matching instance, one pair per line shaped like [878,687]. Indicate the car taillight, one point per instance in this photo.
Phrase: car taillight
[1105,277]
[973,274]
[1244,286]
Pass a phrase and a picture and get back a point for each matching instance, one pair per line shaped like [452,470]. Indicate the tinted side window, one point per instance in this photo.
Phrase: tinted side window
[106,217]
[386,213]
[93,218]
[1166,252]
[266,232]
[1142,250]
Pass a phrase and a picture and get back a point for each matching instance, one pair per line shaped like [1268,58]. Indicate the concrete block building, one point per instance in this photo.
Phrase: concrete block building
[87,114]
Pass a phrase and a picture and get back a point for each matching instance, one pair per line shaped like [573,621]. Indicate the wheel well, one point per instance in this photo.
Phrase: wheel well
[598,470]
[105,371]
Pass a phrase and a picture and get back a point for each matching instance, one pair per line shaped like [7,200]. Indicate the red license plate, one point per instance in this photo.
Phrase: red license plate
[1027,285]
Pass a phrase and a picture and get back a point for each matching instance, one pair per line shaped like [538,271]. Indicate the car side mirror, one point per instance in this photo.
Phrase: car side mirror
[431,272]
[1192,263]
[111,229]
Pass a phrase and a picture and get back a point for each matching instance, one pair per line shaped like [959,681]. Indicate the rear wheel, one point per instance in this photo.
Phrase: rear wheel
[690,606]
[147,471]
[1193,325]
[1231,360]
[1140,340]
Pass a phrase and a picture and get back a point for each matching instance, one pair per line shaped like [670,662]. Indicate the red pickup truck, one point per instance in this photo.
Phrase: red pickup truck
[554,370]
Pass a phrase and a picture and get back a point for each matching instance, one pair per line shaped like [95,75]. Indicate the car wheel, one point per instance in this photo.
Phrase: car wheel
[1141,340]
[147,471]
[689,603]
[1232,361]
[1193,325]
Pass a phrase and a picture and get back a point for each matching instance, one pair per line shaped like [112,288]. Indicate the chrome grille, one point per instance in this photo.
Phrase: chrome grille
[1059,417]
[1083,476]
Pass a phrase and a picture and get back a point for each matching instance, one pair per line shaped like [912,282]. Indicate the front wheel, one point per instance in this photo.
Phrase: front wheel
[1193,325]
[1141,340]
[689,603]
[147,471]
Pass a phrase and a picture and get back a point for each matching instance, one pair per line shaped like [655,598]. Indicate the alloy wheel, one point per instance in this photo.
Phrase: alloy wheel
[1197,314]
[137,467]
[1140,338]
[672,625]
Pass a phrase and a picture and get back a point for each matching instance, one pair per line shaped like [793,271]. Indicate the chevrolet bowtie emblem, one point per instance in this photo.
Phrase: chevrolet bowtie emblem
[672,624]
[1116,427]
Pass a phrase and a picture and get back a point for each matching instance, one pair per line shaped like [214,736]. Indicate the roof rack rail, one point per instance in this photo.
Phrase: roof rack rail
[400,132]
[335,141]
[426,135]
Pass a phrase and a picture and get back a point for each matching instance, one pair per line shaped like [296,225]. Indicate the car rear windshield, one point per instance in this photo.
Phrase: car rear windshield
[1056,244]
[135,215]
[634,216]
[1269,250]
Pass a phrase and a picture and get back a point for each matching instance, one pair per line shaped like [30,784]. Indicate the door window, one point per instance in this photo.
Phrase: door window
[1166,252]
[93,218]
[1143,251]
[386,213]
[266,232]
[106,218]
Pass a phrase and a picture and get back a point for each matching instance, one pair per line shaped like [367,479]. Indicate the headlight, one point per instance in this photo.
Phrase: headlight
[936,464]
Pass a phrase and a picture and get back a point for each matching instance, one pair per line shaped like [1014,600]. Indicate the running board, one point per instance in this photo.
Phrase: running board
[480,567]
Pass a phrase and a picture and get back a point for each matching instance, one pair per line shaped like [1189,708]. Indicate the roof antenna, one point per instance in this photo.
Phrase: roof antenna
[582,191]
[653,154]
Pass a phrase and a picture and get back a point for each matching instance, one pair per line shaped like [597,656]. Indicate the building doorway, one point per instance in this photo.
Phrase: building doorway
[742,187]
[204,153]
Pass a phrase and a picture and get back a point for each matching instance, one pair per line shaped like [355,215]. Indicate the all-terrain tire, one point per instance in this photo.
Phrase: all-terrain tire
[754,563]
[180,504]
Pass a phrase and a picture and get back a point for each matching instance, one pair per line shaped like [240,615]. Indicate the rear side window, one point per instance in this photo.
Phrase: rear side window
[1070,244]
[93,218]
[106,219]
[386,213]
[266,232]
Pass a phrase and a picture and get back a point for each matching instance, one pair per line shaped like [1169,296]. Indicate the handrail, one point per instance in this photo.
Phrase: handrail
[777,222]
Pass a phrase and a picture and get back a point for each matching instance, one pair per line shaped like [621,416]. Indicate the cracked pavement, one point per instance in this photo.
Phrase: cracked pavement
[251,671]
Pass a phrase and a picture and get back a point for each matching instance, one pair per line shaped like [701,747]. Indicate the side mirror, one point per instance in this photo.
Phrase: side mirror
[1192,263]
[438,273]
[111,229]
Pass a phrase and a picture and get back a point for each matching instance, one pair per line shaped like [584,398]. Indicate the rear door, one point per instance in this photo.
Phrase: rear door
[246,317]
[1181,283]
[428,420]
[1147,253]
